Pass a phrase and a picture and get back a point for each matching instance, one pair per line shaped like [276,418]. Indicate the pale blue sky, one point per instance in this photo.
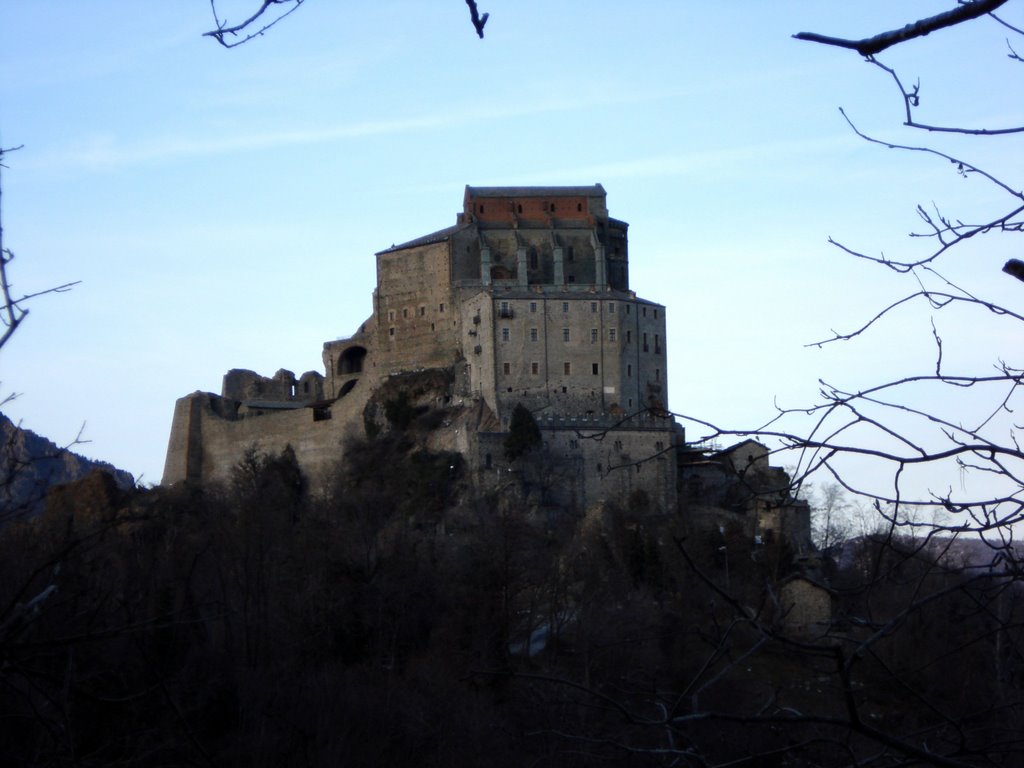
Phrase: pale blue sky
[222,208]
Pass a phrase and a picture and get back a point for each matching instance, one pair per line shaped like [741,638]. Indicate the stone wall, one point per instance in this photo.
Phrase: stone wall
[789,522]
[349,361]
[806,607]
[579,466]
[209,435]
[416,320]
[575,354]
[241,384]
[515,299]
[477,323]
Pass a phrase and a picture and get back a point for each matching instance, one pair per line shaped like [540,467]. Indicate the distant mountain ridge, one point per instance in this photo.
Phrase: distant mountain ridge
[955,553]
[30,465]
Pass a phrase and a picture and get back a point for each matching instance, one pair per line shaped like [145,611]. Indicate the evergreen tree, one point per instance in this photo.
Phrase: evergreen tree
[523,433]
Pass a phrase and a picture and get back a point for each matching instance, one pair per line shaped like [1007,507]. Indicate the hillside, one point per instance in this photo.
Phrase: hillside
[30,465]
[401,618]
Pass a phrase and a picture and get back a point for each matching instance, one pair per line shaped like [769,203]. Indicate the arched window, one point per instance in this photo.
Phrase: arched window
[351,361]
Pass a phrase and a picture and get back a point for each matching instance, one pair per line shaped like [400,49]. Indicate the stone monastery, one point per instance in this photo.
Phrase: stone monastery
[526,299]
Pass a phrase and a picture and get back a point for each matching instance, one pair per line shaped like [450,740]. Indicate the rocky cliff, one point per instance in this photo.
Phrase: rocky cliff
[30,465]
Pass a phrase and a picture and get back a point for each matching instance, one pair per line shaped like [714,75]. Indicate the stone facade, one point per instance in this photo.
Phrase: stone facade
[737,488]
[525,299]
[805,607]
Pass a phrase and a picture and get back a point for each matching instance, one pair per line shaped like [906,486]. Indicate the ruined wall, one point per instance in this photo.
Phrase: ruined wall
[349,361]
[242,384]
[179,442]
[209,435]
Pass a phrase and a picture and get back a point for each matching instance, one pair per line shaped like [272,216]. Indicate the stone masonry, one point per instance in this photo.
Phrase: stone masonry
[525,299]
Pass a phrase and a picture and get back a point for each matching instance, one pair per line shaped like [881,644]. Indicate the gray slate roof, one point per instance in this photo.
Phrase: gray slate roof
[434,237]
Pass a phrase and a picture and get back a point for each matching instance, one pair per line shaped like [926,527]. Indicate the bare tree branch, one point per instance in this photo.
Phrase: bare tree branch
[223,29]
[12,311]
[263,18]
[912,98]
[869,46]
[477,19]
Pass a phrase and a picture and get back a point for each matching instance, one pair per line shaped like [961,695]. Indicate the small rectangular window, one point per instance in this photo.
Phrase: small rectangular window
[629,371]
[645,311]
[565,334]
[440,307]
[423,311]
[629,337]
[593,368]
[533,334]
[593,335]
[405,311]
[611,334]
[534,368]
[593,306]
[567,369]
[391,331]
[506,368]
[391,315]
[565,307]
[533,306]
[655,314]
[505,334]
[657,374]
[611,307]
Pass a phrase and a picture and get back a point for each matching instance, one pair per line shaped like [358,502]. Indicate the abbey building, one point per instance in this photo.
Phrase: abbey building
[526,299]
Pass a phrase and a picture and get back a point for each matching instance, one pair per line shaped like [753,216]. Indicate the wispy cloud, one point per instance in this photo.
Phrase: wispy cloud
[110,151]
[697,161]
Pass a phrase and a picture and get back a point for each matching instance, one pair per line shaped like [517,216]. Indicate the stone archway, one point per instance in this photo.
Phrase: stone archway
[351,361]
